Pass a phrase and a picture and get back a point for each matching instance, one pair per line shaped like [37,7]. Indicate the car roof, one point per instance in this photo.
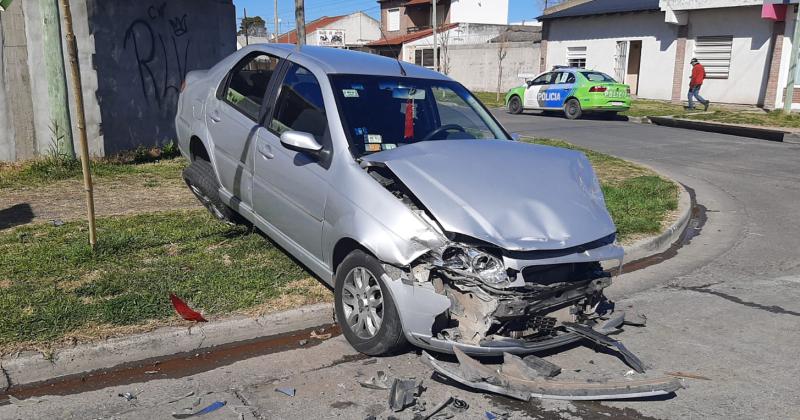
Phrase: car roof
[341,61]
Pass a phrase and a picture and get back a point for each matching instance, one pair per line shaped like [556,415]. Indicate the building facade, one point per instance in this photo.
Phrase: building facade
[351,31]
[648,44]
[133,59]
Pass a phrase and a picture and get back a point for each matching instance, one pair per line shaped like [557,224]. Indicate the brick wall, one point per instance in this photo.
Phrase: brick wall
[775,66]
[680,61]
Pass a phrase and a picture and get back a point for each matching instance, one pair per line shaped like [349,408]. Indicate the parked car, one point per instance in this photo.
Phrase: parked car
[572,90]
[396,187]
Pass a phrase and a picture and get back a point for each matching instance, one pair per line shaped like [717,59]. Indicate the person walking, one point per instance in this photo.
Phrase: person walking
[695,83]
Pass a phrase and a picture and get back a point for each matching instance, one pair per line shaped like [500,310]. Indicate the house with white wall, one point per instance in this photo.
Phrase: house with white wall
[351,31]
[648,44]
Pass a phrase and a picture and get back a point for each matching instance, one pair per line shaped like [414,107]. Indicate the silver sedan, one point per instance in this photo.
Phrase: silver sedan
[396,187]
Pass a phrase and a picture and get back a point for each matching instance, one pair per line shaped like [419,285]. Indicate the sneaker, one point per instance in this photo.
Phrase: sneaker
[705,105]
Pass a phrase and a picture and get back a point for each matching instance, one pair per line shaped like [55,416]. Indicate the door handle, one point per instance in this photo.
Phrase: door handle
[215,116]
[265,150]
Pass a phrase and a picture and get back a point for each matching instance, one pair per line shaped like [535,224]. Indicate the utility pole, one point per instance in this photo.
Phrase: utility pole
[77,87]
[300,18]
[246,28]
[56,77]
[277,22]
[790,80]
[435,41]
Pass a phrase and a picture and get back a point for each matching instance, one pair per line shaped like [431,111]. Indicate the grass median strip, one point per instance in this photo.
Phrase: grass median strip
[54,290]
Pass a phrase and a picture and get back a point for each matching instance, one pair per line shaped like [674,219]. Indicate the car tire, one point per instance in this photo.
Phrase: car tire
[514,105]
[572,109]
[353,300]
[199,177]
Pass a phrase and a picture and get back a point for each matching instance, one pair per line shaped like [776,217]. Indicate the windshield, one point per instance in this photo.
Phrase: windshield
[384,112]
[596,76]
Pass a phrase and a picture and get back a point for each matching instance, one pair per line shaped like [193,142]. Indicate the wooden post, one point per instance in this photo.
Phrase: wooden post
[790,80]
[56,77]
[246,28]
[300,17]
[72,49]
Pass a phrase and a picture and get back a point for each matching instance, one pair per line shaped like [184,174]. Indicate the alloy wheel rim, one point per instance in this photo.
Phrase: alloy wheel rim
[206,202]
[362,301]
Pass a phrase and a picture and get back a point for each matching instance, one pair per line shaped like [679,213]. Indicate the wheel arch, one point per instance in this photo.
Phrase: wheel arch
[343,248]
[198,149]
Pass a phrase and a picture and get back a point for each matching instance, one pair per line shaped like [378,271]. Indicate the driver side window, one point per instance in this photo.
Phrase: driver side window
[544,79]
[300,106]
[247,83]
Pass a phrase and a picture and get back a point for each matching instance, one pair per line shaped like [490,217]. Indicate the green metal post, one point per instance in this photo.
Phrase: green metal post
[56,76]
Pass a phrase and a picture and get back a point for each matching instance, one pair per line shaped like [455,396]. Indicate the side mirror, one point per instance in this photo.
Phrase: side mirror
[301,142]
[515,136]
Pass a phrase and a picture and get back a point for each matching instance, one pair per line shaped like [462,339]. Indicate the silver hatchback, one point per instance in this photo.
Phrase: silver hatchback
[398,188]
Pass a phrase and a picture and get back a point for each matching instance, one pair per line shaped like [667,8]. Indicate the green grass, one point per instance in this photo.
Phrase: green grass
[652,108]
[52,284]
[490,99]
[637,198]
[46,171]
[767,119]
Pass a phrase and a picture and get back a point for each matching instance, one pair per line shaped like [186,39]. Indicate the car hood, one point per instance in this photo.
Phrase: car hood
[515,195]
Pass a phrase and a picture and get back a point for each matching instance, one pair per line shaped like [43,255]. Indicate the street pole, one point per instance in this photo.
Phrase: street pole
[277,24]
[788,99]
[246,29]
[300,18]
[435,41]
[77,87]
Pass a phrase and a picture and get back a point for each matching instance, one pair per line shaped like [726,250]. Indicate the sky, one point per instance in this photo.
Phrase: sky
[518,10]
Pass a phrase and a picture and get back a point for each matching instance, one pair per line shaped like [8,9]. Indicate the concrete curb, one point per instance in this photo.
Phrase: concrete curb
[657,244]
[32,367]
[721,128]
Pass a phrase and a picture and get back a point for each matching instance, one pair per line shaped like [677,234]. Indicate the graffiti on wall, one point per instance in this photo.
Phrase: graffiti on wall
[159,44]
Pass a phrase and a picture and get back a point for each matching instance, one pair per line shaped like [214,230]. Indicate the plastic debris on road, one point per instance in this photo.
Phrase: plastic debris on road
[288,391]
[184,310]
[211,408]
[380,381]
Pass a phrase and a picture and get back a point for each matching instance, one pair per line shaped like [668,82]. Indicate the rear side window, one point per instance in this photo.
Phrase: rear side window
[596,76]
[247,83]
[300,106]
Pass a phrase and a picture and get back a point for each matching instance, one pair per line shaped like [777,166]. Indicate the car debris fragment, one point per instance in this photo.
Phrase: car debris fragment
[184,310]
[287,391]
[510,381]
[598,338]
[127,395]
[211,408]
[176,399]
[687,375]
[403,393]
[379,381]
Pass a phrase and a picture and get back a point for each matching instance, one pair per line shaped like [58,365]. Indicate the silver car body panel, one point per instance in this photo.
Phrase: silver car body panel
[533,198]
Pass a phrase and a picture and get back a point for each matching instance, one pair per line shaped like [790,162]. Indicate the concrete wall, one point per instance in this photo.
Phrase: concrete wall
[143,52]
[749,68]
[479,11]
[476,66]
[600,35]
[16,124]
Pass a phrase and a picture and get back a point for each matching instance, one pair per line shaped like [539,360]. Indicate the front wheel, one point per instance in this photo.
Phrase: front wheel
[514,105]
[199,177]
[364,307]
[572,109]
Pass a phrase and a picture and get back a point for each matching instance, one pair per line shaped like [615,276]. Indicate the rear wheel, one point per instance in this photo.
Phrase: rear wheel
[364,307]
[199,177]
[514,105]
[572,109]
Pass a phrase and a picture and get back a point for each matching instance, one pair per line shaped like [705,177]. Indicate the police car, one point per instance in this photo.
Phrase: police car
[573,90]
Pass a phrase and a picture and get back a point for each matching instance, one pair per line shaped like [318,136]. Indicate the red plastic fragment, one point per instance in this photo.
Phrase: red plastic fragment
[184,310]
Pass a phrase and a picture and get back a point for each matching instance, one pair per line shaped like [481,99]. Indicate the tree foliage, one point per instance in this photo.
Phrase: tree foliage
[254,26]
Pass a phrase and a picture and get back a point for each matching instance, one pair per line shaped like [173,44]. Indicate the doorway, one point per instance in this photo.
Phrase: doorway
[634,65]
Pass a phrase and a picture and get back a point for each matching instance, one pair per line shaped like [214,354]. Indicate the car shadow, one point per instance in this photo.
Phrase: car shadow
[18,214]
[591,116]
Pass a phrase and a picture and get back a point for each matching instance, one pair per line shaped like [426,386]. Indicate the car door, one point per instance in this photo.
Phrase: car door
[290,188]
[561,89]
[535,87]
[232,118]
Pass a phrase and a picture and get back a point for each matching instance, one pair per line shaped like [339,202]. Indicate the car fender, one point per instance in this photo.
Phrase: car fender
[517,91]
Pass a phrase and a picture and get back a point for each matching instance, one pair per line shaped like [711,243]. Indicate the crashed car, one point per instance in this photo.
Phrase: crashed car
[399,189]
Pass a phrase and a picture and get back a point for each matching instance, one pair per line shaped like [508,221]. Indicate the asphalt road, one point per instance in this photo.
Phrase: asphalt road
[727,308]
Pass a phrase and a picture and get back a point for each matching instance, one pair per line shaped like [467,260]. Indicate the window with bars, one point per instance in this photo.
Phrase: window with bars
[424,57]
[714,53]
[576,57]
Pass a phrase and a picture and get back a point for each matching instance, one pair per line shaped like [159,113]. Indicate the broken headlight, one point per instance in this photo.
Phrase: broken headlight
[473,262]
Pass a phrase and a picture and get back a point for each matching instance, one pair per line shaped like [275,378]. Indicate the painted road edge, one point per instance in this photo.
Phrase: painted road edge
[32,367]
